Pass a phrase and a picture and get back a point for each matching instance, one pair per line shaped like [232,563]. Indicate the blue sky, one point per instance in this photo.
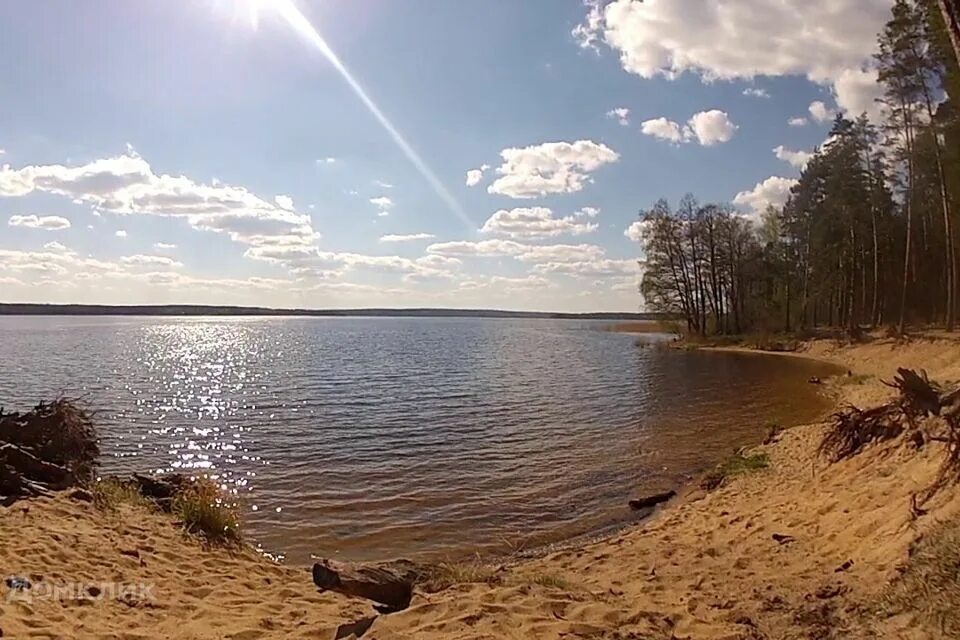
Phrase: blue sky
[199,157]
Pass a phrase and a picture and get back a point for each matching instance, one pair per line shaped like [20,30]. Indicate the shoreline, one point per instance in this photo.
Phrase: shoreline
[701,566]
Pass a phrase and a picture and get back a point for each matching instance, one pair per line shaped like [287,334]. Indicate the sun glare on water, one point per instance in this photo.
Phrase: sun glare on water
[288,12]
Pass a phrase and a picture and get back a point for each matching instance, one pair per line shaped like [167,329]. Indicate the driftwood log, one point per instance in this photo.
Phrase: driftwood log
[389,584]
[648,502]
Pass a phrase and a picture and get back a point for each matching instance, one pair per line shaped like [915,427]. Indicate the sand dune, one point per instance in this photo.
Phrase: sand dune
[705,567]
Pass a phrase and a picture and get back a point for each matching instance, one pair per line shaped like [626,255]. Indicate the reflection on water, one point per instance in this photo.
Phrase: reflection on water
[372,438]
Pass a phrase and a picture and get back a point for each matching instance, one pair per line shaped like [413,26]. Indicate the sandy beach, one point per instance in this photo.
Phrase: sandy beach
[708,565]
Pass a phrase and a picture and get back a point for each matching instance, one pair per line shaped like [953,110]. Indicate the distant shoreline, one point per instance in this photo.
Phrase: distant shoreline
[10,309]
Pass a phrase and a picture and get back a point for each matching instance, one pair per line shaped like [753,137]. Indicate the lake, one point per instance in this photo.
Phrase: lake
[430,438]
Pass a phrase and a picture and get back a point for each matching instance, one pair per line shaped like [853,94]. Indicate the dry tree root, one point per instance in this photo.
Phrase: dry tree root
[51,447]
[853,429]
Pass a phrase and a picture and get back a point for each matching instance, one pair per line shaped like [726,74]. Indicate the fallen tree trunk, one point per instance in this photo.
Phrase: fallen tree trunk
[648,502]
[390,583]
[30,467]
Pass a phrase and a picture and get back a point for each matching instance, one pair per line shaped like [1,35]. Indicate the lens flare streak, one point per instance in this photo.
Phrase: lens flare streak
[287,10]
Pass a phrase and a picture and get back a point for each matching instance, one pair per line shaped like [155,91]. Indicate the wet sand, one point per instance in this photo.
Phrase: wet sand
[706,566]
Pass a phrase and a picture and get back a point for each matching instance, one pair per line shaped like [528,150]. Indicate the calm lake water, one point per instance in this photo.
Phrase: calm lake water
[370,438]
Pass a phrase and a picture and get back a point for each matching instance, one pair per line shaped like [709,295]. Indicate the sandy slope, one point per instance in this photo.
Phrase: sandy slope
[707,567]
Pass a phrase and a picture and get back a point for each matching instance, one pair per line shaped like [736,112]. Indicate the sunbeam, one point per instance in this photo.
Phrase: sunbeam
[287,10]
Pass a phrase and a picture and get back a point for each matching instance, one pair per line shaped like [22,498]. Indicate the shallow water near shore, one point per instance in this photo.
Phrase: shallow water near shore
[431,438]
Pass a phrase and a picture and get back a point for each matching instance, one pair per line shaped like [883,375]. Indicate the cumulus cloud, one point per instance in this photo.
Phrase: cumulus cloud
[127,184]
[284,202]
[311,262]
[598,267]
[706,127]
[521,251]
[54,246]
[409,237]
[587,212]
[120,233]
[799,159]
[164,246]
[635,231]
[474,176]
[549,168]
[664,129]
[756,92]
[797,122]
[33,221]
[141,260]
[621,115]
[535,222]
[720,40]
[383,205]
[712,127]
[773,191]
[820,112]
[857,91]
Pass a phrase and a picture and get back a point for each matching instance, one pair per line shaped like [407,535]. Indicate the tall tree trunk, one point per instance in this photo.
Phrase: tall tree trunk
[951,17]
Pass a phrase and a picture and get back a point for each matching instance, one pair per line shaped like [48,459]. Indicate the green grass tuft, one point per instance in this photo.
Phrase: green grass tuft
[735,466]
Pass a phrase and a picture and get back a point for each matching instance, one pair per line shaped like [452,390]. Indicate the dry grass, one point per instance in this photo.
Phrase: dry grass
[206,511]
[735,466]
[857,379]
[110,493]
[930,586]
[446,574]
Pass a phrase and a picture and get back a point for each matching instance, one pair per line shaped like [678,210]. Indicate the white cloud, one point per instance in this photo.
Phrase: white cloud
[410,237]
[54,246]
[535,222]
[712,127]
[382,184]
[706,127]
[127,185]
[507,283]
[33,221]
[521,251]
[383,205]
[857,91]
[599,267]
[284,202]
[120,233]
[721,40]
[551,167]
[635,231]
[141,260]
[756,92]
[621,115]
[773,191]
[820,112]
[327,160]
[164,246]
[474,176]
[587,212]
[797,122]
[664,129]
[799,159]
